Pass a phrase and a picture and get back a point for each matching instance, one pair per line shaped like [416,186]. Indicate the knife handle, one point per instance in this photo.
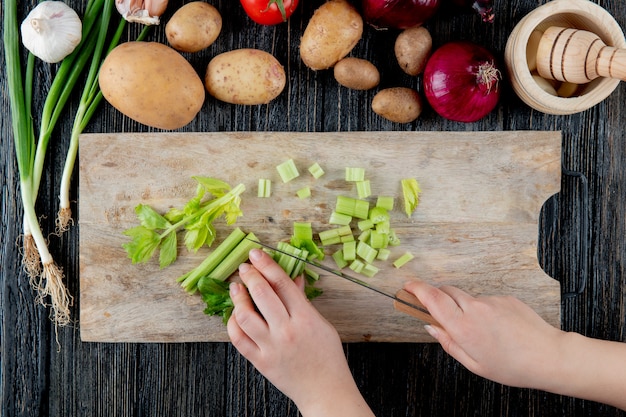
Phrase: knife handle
[410,298]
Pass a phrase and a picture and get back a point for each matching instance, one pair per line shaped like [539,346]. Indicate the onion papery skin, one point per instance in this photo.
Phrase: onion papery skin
[398,14]
[461,81]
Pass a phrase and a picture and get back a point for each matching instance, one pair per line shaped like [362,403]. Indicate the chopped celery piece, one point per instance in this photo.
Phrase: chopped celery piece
[383,254]
[339,219]
[336,232]
[355,174]
[366,252]
[394,240]
[302,231]
[349,251]
[189,281]
[357,266]
[365,224]
[287,170]
[383,227]
[410,191]
[369,270]
[311,274]
[378,214]
[352,207]
[385,202]
[304,192]
[292,266]
[347,238]
[363,188]
[316,170]
[365,235]
[403,259]
[265,188]
[331,240]
[339,259]
[378,240]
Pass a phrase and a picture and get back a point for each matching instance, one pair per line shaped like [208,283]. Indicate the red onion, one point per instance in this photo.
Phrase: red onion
[461,81]
[398,14]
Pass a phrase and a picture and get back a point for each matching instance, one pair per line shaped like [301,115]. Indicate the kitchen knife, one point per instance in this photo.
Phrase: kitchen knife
[403,300]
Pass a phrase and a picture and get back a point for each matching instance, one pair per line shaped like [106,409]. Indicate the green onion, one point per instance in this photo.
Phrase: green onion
[403,259]
[304,192]
[287,170]
[355,174]
[363,189]
[316,170]
[265,188]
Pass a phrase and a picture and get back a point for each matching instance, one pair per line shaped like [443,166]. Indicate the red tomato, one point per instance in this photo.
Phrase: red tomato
[269,12]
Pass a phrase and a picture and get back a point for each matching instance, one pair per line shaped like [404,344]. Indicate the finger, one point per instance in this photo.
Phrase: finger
[287,291]
[439,303]
[247,318]
[242,342]
[450,346]
[300,282]
[263,294]
[459,296]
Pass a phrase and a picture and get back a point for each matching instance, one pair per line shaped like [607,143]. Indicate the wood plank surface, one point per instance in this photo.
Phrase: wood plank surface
[581,243]
[476,226]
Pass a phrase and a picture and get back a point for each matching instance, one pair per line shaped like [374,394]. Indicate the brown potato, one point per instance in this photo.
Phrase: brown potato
[356,73]
[193,27]
[152,84]
[334,29]
[412,48]
[398,104]
[245,76]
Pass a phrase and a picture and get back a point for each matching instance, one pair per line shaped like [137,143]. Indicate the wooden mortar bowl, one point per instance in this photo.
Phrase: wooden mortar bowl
[581,14]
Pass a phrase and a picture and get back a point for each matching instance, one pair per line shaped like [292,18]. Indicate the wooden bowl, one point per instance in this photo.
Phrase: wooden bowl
[580,14]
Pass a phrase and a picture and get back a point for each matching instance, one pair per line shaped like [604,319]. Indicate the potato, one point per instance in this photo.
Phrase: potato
[334,29]
[193,27]
[152,84]
[398,104]
[356,73]
[412,49]
[245,76]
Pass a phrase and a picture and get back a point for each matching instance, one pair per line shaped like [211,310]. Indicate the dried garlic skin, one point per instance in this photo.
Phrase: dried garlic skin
[51,31]
[147,12]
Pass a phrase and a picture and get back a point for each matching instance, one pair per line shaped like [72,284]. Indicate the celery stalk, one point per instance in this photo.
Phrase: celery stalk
[316,170]
[236,257]
[403,259]
[287,170]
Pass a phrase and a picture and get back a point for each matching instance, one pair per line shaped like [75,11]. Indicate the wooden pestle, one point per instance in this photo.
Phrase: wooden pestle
[578,56]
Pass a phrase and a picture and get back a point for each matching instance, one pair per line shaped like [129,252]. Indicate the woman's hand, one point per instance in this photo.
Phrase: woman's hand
[503,339]
[290,342]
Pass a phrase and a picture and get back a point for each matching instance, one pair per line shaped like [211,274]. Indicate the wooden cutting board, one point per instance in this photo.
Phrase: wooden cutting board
[476,226]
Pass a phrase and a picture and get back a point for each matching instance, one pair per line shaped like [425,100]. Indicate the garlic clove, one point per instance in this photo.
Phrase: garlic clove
[146,12]
[51,31]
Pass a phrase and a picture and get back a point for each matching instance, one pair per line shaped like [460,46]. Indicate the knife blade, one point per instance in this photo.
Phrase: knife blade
[403,300]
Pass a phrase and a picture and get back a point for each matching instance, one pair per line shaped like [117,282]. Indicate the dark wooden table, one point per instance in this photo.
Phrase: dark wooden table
[579,244]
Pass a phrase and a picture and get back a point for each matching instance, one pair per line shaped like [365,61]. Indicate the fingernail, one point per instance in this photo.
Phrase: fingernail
[255,254]
[234,288]
[431,331]
[244,267]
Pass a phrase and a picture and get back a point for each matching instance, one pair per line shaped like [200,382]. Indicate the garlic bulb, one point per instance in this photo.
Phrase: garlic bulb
[51,31]
[147,12]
